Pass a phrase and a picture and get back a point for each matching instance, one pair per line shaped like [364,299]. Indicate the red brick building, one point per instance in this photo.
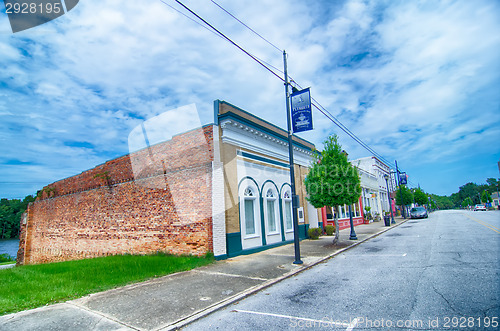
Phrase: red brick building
[221,188]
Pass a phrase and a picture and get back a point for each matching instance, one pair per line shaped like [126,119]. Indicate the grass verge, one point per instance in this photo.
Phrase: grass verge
[32,286]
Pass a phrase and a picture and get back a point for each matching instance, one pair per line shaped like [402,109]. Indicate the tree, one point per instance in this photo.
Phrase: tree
[455,199]
[486,197]
[420,197]
[493,185]
[467,202]
[332,180]
[443,202]
[10,216]
[470,190]
[407,196]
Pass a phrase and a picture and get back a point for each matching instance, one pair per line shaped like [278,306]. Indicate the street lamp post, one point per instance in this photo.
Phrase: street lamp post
[386,177]
[353,234]
[400,191]
[295,198]
[392,212]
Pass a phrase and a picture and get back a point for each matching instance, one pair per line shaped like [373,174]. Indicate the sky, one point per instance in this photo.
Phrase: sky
[418,81]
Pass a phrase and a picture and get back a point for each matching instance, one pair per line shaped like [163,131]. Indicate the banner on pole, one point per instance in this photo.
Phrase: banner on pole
[403,178]
[301,111]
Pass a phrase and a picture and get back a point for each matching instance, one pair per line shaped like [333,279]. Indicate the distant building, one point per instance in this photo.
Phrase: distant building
[373,184]
[496,201]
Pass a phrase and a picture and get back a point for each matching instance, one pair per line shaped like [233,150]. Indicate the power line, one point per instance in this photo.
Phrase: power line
[220,36]
[191,19]
[267,66]
[228,39]
[249,28]
[332,118]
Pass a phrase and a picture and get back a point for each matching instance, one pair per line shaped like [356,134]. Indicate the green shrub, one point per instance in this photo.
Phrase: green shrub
[314,233]
[5,258]
[330,230]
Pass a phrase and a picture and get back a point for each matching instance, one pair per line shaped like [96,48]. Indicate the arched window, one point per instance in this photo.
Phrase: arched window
[271,210]
[249,205]
[287,210]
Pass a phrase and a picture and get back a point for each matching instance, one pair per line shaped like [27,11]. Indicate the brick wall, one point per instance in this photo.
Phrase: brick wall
[157,199]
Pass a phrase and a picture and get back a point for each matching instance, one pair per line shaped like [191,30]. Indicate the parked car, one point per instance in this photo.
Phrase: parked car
[479,208]
[418,212]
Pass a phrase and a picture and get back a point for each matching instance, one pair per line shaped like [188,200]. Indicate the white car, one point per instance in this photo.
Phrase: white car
[479,208]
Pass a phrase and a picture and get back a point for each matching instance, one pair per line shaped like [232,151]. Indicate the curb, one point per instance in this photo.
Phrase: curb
[252,290]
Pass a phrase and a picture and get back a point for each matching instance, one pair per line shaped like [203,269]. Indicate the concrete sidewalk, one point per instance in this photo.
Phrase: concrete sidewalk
[173,301]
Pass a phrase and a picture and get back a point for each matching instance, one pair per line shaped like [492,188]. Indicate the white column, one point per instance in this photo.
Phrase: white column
[218,203]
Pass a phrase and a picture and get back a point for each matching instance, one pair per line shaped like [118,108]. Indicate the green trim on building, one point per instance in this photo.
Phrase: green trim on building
[233,244]
[262,159]
[303,231]
[235,251]
[262,221]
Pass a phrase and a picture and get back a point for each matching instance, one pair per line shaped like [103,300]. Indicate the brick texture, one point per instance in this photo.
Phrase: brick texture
[157,199]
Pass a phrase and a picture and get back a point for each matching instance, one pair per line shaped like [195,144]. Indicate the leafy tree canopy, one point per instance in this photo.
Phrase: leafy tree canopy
[420,197]
[407,196]
[332,180]
[467,202]
[442,202]
[10,216]
[486,197]
[493,185]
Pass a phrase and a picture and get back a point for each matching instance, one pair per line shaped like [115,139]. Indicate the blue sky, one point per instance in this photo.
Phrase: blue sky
[418,81]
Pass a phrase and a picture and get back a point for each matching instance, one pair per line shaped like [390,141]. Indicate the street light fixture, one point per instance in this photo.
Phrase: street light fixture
[353,233]
[386,177]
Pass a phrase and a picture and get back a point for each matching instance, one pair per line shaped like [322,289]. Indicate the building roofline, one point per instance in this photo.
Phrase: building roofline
[255,121]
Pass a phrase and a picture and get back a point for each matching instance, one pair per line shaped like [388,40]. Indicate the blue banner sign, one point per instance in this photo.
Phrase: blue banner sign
[301,111]
[403,179]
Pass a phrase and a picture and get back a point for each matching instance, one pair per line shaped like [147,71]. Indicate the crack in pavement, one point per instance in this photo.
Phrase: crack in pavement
[442,296]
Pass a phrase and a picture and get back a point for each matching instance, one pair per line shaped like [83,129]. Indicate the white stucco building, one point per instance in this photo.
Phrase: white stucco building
[373,184]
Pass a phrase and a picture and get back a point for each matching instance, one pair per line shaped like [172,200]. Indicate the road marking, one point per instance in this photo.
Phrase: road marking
[352,325]
[320,322]
[489,226]
[229,275]
[381,255]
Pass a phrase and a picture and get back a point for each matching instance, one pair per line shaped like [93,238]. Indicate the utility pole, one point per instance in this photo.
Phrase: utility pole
[400,191]
[295,198]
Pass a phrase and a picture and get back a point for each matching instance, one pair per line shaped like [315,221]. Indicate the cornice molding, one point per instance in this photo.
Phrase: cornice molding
[245,134]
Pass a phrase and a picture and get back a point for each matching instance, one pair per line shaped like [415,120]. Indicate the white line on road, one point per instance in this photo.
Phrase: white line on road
[319,322]
[352,325]
[229,275]
[488,225]
[380,255]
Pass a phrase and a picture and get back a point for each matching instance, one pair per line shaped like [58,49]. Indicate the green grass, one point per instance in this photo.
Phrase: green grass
[33,286]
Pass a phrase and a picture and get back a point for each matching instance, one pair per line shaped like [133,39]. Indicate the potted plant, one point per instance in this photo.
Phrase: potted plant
[367,215]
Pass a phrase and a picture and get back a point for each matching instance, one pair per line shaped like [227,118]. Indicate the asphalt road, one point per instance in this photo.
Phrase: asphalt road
[440,273]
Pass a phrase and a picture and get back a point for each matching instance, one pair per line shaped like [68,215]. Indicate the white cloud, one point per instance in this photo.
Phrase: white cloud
[409,78]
